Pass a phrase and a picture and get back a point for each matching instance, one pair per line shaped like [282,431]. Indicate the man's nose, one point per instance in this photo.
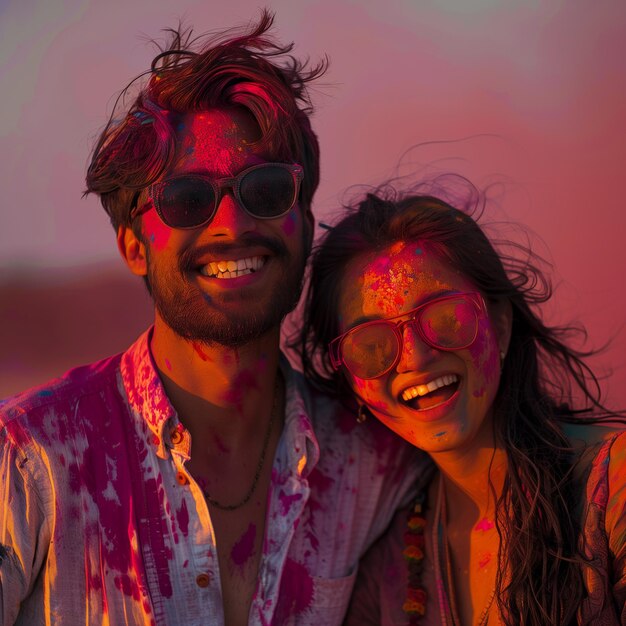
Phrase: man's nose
[231,219]
[416,353]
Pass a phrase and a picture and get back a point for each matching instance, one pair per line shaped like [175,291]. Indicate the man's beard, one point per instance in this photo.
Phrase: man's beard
[194,315]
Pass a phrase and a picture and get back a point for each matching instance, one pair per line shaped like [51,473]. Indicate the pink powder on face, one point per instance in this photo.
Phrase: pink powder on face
[244,548]
[168,364]
[289,225]
[156,233]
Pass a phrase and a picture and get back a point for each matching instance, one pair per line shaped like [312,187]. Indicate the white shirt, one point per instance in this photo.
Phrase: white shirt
[95,528]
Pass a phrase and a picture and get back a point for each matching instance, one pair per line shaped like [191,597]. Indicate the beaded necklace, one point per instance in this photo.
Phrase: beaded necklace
[414,540]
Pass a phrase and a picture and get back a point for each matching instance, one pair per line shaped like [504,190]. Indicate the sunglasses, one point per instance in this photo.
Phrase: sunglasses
[265,191]
[371,349]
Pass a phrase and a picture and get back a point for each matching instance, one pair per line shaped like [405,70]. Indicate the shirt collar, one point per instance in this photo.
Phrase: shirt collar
[301,444]
[144,389]
[148,402]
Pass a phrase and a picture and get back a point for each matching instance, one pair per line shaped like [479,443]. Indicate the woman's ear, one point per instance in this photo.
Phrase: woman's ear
[133,250]
[501,313]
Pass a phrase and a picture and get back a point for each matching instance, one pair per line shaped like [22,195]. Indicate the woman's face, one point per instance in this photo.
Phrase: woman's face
[457,413]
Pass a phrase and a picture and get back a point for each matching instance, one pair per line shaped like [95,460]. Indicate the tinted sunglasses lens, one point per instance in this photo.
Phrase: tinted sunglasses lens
[450,324]
[186,202]
[268,192]
[369,351]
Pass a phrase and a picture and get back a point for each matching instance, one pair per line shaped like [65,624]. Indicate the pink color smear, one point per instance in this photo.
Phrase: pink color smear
[244,548]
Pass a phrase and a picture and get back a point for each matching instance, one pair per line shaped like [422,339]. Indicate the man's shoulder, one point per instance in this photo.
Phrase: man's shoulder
[25,410]
[335,423]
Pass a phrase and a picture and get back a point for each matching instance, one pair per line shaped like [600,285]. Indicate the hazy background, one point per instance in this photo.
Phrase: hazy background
[540,85]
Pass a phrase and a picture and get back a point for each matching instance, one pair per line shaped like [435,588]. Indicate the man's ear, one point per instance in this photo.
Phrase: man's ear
[133,250]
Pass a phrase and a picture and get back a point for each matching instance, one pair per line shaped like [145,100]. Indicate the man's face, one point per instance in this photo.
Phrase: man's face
[228,307]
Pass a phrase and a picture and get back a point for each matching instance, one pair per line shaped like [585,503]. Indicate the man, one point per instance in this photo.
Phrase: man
[195,479]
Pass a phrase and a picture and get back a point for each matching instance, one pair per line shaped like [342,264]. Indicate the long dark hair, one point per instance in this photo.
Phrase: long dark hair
[540,575]
[236,68]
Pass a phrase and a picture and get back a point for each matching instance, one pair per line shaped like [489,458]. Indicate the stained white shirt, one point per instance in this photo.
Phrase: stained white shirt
[95,528]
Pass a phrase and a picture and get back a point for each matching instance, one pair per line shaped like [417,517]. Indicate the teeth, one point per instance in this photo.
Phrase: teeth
[422,390]
[233,268]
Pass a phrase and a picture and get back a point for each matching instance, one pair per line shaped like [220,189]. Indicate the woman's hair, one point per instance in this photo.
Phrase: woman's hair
[246,69]
[540,577]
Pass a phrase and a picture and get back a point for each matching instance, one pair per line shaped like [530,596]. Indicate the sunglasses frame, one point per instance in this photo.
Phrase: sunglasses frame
[412,317]
[218,184]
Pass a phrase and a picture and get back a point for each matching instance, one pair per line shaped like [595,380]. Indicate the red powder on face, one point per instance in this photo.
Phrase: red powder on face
[244,548]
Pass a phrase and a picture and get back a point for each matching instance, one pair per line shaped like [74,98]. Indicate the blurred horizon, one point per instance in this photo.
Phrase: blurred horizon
[524,97]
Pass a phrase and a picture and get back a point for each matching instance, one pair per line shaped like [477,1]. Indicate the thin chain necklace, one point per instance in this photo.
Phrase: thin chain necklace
[259,467]
[447,608]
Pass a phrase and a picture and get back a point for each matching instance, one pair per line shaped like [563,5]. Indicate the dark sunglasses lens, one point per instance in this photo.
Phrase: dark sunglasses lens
[368,351]
[268,191]
[186,202]
[450,324]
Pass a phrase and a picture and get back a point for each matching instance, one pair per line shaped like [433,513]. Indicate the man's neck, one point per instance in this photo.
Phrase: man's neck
[217,389]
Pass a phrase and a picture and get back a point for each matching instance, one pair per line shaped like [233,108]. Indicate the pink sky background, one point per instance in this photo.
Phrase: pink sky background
[539,85]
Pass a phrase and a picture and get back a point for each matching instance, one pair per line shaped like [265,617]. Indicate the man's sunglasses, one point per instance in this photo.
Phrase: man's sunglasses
[371,349]
[265,191]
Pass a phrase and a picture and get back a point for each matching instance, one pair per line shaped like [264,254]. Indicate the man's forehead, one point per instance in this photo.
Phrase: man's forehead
[219,141]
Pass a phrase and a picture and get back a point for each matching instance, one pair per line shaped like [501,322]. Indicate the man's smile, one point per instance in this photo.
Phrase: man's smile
[233,268]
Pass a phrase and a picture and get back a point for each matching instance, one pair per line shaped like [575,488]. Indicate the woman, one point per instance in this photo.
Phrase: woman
[523,517]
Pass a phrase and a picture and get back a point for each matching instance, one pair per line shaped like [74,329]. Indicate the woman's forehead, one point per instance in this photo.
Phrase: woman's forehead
[397,278]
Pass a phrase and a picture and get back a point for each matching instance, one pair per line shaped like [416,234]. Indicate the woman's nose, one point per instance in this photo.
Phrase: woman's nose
[416,354]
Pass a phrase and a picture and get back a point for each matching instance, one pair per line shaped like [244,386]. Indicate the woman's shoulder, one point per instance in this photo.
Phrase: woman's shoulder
[601,463]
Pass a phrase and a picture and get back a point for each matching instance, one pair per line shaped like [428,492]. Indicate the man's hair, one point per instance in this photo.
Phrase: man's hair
[234,68]
[539,580]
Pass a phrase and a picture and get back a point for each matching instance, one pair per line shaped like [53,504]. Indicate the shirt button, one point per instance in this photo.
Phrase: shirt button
[202,580]
[181,478]
[176,437]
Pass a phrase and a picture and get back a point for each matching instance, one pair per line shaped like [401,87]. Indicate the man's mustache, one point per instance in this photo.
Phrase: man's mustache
[190,259]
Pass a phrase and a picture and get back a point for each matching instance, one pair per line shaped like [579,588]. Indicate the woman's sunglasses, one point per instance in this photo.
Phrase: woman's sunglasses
[265,191]
[371,349]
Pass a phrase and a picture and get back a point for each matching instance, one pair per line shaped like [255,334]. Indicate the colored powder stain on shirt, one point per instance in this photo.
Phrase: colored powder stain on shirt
[182,517]
[319,482]
[244,548]
[286,501]
[419,251]
[45,393]
[296,592]
[441,434]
